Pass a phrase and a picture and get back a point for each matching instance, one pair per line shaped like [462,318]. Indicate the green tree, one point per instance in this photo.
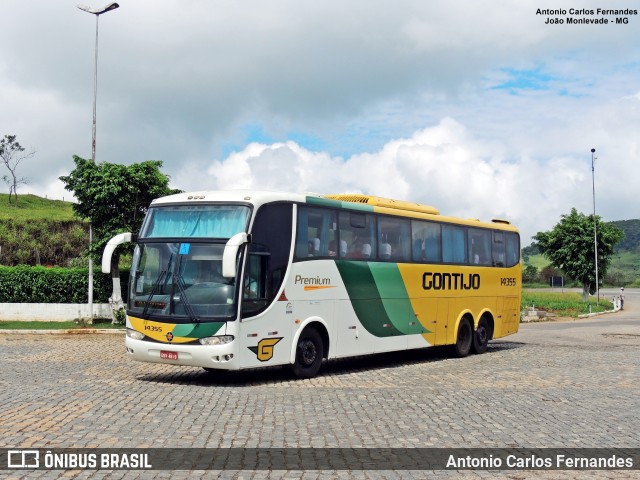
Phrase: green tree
[530,274]
[114,198]
[570,247]
[11,155]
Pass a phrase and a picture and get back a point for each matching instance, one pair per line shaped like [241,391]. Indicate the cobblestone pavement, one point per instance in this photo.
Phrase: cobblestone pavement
[560,384]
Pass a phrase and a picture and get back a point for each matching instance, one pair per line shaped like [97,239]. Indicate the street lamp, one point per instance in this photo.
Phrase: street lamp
[595,229]
[97,13]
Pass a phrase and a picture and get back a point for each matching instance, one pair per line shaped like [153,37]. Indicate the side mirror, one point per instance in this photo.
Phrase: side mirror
[110,248]
[231,253]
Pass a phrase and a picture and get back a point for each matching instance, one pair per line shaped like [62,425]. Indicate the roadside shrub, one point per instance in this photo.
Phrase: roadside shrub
[25,284]
[530,274]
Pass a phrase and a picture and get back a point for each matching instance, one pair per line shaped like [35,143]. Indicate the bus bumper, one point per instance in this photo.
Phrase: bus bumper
[223,357]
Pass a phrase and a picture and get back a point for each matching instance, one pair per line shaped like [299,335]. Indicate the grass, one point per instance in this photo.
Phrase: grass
[100,324]
[32,207]
[567,304]
[538,261]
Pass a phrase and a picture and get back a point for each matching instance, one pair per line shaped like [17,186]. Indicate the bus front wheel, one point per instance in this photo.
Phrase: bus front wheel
[464,338]
[481,336]
[309,353]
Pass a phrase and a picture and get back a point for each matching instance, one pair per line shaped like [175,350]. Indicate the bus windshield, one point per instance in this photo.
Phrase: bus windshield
[195,221]
[182,280]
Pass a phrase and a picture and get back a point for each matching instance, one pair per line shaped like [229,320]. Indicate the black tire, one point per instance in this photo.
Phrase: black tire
[481,336]
[464,338]
[309,353]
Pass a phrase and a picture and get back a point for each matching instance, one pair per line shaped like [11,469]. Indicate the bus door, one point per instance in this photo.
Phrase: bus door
[510,315]
[266,337]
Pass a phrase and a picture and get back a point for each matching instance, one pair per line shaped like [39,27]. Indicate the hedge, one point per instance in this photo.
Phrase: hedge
[25,284]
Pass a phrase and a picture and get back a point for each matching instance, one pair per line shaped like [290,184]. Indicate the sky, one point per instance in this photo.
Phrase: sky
[480,109]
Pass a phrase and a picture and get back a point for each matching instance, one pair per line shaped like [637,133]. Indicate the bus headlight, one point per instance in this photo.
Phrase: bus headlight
[220,340]
[131,333]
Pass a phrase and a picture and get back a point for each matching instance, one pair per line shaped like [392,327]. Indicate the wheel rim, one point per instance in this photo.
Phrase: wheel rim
[483,335]
[308,352]
[464,336]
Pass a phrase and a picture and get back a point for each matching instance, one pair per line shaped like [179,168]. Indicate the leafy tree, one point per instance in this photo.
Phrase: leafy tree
[11,156]
[570,247]
[530,274]
[115,198]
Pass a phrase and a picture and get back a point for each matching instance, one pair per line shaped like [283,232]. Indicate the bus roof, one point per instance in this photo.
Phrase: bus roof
[352,201]
[384,202]
[254,197]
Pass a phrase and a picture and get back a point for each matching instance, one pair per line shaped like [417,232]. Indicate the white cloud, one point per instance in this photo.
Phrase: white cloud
[369,90]
[442,165]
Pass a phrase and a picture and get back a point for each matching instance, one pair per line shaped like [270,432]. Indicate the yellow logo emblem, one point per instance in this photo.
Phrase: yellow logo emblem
[264,349]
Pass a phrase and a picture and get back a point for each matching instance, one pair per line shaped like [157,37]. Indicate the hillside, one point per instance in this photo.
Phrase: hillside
[631,240]
[32,207]
[38,231]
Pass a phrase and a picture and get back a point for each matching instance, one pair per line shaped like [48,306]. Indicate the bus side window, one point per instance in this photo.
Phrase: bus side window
[480,247]
[316,232]
[394,235]
[454,244]
[513,249]
[498,249]
[356,231]
[255,283]
[427,245]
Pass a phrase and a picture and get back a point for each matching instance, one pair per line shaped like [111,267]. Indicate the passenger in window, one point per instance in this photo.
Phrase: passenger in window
[343,248]
[356,248]
[332,248]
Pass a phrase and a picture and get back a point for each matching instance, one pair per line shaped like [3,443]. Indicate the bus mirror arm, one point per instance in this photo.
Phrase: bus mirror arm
[110,248]
[231,254]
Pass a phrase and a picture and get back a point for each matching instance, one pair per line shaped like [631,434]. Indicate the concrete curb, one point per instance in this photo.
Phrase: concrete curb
[72,331]
[588,315]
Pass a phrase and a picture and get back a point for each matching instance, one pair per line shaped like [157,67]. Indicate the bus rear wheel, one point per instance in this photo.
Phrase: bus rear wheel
[309,353]
[481,336]
[464,338]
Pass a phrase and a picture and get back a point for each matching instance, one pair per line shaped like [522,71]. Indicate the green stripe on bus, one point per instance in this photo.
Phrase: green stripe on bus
[365,298]
[329,202]
[395,298]
[199,330]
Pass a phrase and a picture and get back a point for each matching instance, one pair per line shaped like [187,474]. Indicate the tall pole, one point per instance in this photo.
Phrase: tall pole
[95,96]
[97,13]
[595,229]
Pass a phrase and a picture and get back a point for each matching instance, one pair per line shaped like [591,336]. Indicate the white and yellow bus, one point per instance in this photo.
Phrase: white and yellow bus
[243,279]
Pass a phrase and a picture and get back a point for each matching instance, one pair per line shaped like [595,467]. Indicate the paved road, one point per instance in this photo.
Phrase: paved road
[564,384]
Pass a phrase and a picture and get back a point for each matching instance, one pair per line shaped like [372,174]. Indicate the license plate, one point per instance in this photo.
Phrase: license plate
[168,355]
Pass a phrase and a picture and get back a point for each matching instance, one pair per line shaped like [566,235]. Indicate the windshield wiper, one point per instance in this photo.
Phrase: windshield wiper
[179,282]
[184,299]
[153,291]
[160,278]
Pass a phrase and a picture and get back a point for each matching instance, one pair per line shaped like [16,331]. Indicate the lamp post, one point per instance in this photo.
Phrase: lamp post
[97,13]
[595,229]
